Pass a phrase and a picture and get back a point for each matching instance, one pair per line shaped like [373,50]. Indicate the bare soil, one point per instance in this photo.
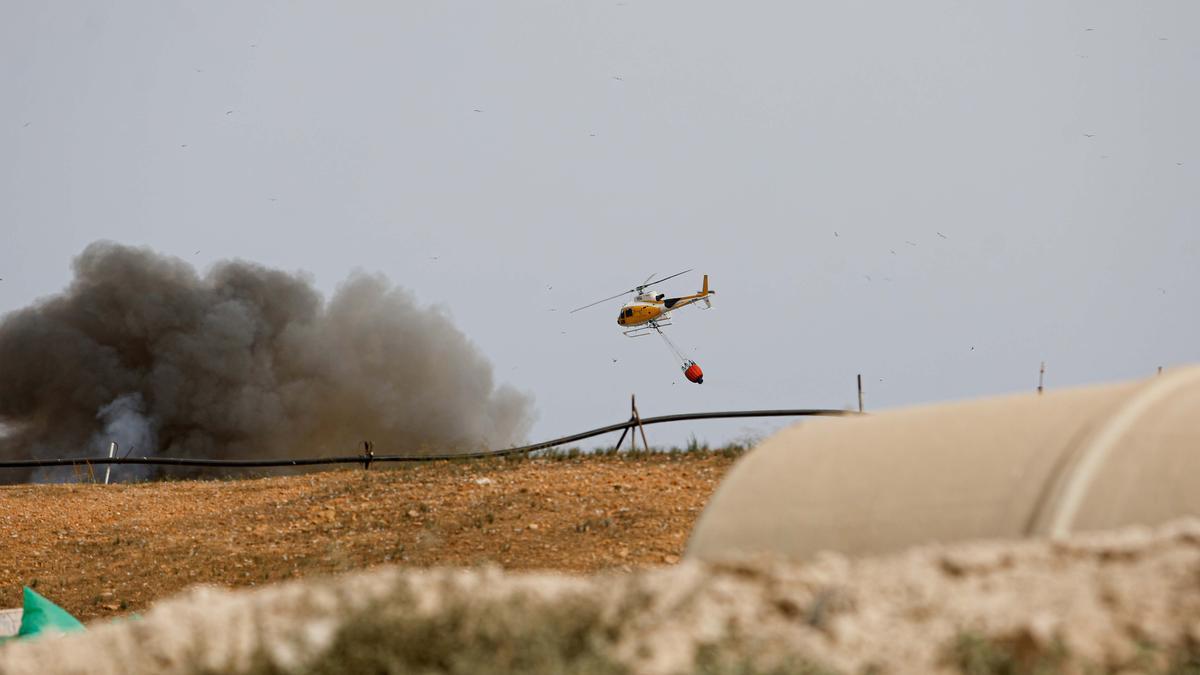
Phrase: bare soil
[107,550]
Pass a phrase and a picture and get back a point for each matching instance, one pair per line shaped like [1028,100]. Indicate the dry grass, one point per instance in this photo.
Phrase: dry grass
[975,654]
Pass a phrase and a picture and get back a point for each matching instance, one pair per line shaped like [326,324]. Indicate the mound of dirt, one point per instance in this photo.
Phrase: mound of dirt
[107,550]
[1124,601]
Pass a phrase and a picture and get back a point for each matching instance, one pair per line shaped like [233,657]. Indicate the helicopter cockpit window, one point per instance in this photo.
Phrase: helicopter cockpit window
[629,312]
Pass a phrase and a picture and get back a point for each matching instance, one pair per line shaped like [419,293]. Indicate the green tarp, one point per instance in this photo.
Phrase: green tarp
[39,615]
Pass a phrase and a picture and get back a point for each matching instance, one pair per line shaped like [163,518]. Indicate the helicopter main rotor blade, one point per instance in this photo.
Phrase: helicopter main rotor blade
[599,301]
[639,288]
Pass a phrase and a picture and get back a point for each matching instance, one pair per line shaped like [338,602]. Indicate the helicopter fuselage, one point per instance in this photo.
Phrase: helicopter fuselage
[653,307]
[650,311]
[640,311]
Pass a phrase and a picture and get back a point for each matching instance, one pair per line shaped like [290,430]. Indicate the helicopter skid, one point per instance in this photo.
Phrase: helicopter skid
[647,329]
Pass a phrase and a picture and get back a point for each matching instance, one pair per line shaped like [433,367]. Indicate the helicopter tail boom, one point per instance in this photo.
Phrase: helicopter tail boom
[683,301]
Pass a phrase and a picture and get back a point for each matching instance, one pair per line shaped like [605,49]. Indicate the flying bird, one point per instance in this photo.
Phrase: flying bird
[942,235]
[1090,135]
[25,125]
[618,78]
[909,242]
[1088,29]
[478,109]
[228,112]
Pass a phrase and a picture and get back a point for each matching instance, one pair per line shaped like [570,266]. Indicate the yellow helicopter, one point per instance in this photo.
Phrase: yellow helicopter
[649,311]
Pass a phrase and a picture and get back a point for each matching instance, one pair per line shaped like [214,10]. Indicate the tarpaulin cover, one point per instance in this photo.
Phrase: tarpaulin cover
[42,616]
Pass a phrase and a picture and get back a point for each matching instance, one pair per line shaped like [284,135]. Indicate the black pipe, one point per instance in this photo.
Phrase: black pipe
[366,459]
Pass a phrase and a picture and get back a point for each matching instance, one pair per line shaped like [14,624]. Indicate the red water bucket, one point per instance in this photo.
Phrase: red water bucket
[693,373]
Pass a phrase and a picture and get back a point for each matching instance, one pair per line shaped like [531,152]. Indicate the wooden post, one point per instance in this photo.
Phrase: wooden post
[632,422]
[1041,377]
[368,454]
[860,398]
[638,418]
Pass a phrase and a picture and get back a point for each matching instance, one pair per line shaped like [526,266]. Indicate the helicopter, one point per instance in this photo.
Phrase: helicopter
[649,311]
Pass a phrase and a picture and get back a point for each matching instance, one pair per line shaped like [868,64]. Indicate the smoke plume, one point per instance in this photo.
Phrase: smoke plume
[242,362]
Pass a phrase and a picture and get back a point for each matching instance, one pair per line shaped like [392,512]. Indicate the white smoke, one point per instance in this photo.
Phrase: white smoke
[125,423]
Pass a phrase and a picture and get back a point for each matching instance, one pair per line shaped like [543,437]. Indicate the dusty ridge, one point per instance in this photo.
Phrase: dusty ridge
[1118,602]
[103,551]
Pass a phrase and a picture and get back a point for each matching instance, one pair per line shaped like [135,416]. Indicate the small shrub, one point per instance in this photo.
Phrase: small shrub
[718,659]
[976,654]
[514,635]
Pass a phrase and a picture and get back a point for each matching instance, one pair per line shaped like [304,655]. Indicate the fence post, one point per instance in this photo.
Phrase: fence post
[622,438]
[112,450]
[638,418]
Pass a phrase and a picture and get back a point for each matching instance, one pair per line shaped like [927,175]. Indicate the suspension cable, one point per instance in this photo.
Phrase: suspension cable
[675,350]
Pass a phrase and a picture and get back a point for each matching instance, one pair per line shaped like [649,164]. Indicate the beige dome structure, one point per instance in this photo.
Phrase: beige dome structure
[1015,466]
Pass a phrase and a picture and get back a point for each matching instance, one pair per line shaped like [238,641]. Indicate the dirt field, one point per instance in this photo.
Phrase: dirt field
[103,551]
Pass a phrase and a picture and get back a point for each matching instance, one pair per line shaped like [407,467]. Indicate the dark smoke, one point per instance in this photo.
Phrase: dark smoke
[242,362]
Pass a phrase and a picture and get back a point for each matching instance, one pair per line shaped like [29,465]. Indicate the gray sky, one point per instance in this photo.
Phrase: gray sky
[551,153]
